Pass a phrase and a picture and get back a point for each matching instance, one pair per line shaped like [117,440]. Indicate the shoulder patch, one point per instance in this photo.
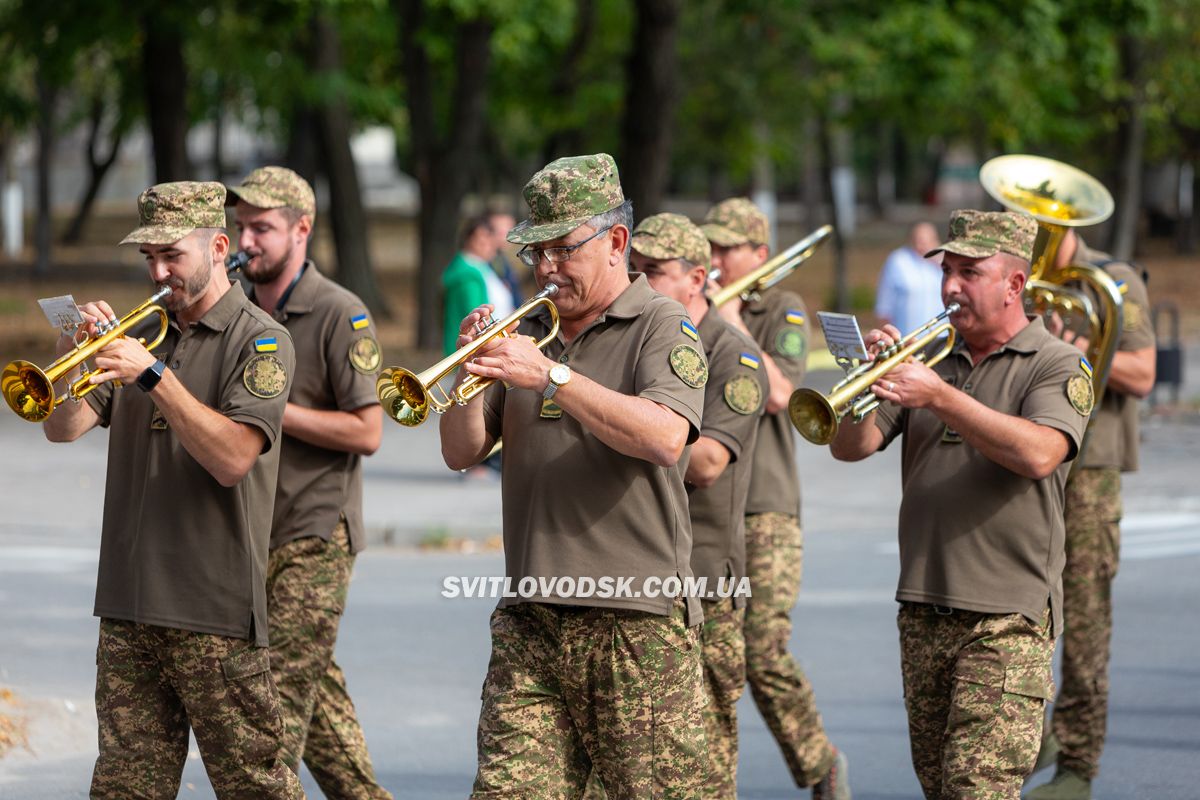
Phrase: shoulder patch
[791,341]
[1133,317]
[1079,392]
[365,356]
[359,321]
[265,376]
[266,344]
[743,394]
[1086,366]
[688,365]
[794,316]
[689,330]
[749,360]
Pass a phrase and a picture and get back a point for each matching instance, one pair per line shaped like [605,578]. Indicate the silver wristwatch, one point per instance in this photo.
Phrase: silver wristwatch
[560,374]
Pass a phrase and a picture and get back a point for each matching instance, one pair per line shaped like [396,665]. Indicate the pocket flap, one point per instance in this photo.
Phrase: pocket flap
[985,673]
[246,663]
[1030,680]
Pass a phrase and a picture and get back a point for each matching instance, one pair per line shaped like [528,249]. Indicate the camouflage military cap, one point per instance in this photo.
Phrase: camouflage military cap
[979,234]
[567,193]
[668,236]
[736,221]
[275,187]
[170,211]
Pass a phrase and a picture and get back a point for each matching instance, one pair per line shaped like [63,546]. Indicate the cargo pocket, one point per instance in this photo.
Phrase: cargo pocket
[1029,680]
[978,691]
[680,751]
[245,663]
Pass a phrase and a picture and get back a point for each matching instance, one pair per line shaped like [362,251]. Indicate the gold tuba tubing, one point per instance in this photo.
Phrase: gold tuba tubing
[818,417]
[774,269]
[29,390]
[408,396]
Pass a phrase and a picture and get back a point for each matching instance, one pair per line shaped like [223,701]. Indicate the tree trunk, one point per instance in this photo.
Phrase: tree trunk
[166,97]
[650,96]
[566,82]
[1185,241]
[885,170]
[302,153]
[98,167]
[47,97]
[346,212]
[1131,136]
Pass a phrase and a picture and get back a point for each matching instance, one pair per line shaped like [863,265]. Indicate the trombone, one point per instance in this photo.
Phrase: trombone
[773,270]
[818,417]
[29,390]
[408,397]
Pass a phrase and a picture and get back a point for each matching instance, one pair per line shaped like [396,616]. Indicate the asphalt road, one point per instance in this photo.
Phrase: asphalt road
[415,660]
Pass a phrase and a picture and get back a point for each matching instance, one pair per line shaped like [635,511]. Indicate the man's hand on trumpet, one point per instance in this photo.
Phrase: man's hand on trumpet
[94,314]
[515,360]
[123,359]
[911,384]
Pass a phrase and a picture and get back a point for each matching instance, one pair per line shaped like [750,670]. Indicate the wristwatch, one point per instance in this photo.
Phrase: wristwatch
[150,376]
[560,374]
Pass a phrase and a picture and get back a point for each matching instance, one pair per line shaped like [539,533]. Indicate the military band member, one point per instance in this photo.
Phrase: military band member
[674,256]
[192,461]
[778,322]
[987,436]
[332,419]
[1093,514]
[593,428]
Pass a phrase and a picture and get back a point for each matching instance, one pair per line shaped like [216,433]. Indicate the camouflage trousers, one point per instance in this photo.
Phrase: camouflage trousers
[570,688]
[975,687]
[152,683]
[1093,514]
[307,582]
[774,560]
[723,653]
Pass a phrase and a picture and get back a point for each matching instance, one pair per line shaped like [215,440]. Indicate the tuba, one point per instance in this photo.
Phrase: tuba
[29,390]
[408,397]
[773,270]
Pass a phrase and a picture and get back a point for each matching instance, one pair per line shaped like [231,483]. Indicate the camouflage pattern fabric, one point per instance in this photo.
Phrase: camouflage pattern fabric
[152,682]
[567,193]
[669,236]
[723,654]
[275,187]
[571,687]
[774,561]
[170,211]
[979,234]
[1093,514]
[307,582]
[975,687]
[736,221]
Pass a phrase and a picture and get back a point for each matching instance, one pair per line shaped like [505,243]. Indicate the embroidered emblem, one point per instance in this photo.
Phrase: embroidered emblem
[791,342]
[749,360]
[1079,392]
[743,394]
[689,365]
[265,376]
[267,344]
[359,322]
[689,330]
[365,356]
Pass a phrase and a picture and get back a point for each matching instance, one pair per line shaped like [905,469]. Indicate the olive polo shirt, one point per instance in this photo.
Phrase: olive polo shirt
[574,507]
[177,548]
[779,323]
[1112,439]
[734,398]
[973,534]
[337,359]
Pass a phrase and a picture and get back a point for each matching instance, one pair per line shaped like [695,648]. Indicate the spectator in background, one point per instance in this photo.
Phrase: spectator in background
[469,281]
[910,286]
[501,223]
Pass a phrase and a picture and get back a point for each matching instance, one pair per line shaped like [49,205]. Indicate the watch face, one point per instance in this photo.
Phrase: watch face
[560,373]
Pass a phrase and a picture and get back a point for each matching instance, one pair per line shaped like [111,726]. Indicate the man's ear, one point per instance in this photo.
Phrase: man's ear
[762,253]
[304,226]
[619,239]
[219,248]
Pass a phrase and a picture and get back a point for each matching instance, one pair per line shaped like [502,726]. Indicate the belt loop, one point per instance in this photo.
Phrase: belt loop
[943,611]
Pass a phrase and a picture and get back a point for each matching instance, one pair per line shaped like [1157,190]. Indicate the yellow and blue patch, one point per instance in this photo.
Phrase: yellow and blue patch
[794,316]
[359,322]
[749,360]
[266,345]
[689,330]
[1121,287]
[1086,366]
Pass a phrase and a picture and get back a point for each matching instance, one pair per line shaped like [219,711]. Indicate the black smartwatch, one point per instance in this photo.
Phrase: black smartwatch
[150,376]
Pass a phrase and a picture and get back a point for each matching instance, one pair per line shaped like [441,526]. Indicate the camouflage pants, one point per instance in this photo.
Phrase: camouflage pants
[723,653]
[153,682]
[307,581]
[570,687]
[774,558]
[1093,514]
[975,687]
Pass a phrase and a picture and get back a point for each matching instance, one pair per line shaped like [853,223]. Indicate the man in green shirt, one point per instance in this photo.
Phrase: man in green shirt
[469,281]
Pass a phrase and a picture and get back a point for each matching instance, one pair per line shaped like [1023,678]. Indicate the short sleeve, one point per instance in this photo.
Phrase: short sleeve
[1137,329]
[671,368]
[258,388]
[353,358]
[787,334]
[889,419]
[1060,393]
[493,408]
[735,396]
[101,400]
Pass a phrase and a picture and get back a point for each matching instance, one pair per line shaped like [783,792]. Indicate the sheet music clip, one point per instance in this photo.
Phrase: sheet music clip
[62,312]
[844,339]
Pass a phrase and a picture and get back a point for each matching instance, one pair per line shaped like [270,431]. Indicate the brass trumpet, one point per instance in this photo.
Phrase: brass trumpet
[408,397]
[818,417]
[773,270]
[29,390]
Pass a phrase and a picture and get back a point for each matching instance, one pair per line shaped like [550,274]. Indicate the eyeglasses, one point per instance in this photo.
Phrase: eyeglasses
[531,257]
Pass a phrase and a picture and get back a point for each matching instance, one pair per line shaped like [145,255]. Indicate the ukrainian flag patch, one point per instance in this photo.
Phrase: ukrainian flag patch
[795,316]
[266,345]
[1086,366]
[689,330]
[748,360]
[1122,287]
[359,322]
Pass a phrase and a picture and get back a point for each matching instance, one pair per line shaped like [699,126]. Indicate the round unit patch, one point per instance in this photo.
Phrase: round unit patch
[1079,392]
[743,394]
[1132,314]
[364,355]
[265,376]
[791,342]
[688,364]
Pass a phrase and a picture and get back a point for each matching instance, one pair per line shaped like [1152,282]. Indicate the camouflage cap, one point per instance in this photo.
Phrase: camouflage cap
[567,193]
[275,187]
[170,211]
[979,234]
[668,236]
[736,221]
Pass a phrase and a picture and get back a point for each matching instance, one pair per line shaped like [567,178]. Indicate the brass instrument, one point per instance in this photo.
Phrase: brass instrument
[773,270]
[818,417]
[29,390]
[408,397]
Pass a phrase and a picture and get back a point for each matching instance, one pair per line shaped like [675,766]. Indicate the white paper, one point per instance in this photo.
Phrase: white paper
[843,336]
[62,312]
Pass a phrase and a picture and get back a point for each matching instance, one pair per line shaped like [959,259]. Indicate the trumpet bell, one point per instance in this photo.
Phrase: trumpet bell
[27,390]
[405,399]
[813,416]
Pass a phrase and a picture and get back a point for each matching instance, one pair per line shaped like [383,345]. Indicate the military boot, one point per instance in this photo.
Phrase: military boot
[1066,785]
[1048,753]
[836,783]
